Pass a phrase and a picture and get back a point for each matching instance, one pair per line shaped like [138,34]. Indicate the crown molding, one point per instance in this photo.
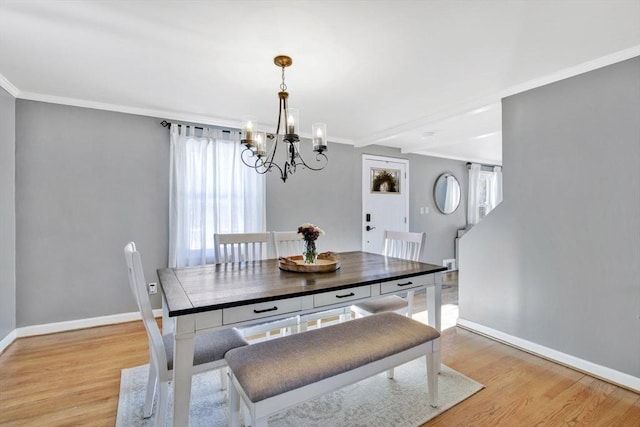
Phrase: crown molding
[446,114]
[485,161]
[6,85]
[487,101]
[384,135]
[566,73]
[148,112]
[164,114]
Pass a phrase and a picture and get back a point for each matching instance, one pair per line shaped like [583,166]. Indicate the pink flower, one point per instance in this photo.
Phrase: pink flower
[309,231]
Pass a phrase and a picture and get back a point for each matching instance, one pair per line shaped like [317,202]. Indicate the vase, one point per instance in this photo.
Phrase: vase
[309,252]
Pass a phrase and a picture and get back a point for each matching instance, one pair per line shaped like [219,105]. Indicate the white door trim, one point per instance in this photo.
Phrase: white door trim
[406,187]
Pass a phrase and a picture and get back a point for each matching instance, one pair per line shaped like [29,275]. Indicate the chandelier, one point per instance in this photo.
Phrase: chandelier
[261,157]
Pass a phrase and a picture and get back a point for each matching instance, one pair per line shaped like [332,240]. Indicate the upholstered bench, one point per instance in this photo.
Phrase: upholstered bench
[273,375]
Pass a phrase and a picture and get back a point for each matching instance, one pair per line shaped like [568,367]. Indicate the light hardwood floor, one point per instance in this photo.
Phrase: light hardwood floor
[72,379]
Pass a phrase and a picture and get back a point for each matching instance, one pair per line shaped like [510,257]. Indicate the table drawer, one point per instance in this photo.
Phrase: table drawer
[336,297]
[260,310]
[396,286]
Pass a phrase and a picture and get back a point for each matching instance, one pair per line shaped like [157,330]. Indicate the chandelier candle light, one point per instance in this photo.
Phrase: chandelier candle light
[310,234]
[258,156]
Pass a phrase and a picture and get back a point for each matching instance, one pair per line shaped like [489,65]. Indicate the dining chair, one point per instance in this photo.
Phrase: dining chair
[288,243]
[239,247]
[398,244]
[209,348]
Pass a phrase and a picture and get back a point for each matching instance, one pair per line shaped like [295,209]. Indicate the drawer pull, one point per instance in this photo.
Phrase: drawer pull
[405,284]
[265,310]
[350,294]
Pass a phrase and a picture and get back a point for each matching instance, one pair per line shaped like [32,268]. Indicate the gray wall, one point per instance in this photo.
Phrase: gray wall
[557,263]
[332,199]
[7,214]
[440,229]
[88,181]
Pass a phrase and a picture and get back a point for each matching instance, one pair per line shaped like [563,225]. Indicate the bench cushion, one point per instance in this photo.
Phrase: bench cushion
[274,367]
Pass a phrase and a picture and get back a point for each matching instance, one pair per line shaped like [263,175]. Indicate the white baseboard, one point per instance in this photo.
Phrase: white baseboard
[6,341]
[598,371]
[71,325]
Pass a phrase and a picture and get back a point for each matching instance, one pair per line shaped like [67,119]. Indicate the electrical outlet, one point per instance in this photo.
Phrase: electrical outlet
[449,263]
[153,288]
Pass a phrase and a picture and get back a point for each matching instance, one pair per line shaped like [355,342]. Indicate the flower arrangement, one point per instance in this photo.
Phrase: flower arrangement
[310,234]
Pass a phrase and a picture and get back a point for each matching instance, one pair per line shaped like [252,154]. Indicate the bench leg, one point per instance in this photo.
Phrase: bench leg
[223,378]
[234,405]
[433,359]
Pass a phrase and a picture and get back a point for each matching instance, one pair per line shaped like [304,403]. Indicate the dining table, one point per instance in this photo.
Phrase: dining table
[205,298]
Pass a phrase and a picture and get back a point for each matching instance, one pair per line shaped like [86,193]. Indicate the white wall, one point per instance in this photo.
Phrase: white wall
[557,264]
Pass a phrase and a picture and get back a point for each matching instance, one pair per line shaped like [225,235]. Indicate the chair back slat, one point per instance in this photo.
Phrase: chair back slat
[139,289]
[287,243]
[403,244]
[238,247]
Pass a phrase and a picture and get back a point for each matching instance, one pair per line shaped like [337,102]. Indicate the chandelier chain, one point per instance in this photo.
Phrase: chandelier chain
[283,86]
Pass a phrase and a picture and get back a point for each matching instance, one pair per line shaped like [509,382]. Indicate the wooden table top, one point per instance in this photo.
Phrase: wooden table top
[215,286]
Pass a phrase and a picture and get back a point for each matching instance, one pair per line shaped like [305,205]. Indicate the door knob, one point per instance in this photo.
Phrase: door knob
[369,228]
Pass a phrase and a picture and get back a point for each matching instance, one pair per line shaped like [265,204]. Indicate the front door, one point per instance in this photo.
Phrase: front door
[385,199]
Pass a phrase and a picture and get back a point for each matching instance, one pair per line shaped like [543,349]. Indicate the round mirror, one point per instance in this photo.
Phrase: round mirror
[446,193]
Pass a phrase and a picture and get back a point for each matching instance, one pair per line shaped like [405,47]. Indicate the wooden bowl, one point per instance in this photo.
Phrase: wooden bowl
[326,263]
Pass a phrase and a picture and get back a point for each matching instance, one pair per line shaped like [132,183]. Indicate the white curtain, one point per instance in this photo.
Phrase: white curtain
[485,192]
[496,191]
[474,194]
[211,191]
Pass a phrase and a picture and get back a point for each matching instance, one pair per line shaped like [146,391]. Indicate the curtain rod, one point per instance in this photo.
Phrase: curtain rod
[166,124]
[484,165]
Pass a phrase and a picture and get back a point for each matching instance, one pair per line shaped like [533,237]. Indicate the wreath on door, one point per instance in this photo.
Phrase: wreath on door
[384,182]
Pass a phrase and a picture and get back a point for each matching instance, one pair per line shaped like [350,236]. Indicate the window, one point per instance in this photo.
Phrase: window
[212,191]
[485,187]
[485,191]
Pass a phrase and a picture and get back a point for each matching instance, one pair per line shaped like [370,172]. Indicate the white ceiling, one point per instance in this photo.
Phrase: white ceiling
[424,76]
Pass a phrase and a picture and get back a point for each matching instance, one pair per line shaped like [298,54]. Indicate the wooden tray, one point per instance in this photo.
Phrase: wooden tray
[326,263]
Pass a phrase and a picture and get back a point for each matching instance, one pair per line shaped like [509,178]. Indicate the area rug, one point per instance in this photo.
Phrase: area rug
[376,401]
